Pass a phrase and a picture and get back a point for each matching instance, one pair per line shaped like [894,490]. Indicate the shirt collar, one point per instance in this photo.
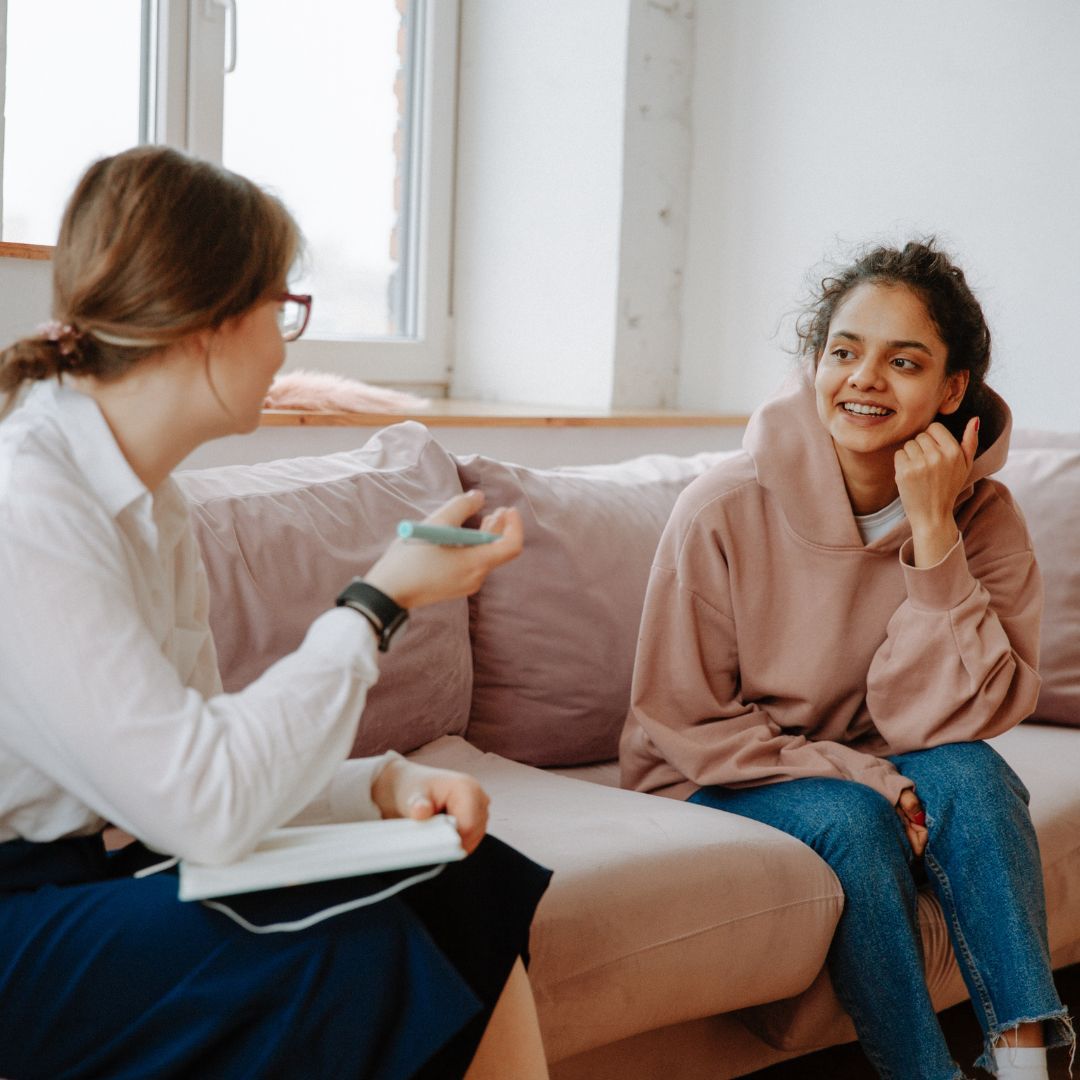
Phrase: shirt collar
[94,447]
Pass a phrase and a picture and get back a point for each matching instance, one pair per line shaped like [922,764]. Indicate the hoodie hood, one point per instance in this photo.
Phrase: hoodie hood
[796,463]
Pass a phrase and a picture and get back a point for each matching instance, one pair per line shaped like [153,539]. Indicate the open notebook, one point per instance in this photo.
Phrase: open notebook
[295,856]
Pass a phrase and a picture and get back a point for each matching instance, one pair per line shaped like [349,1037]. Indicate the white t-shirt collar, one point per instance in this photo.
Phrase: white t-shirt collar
[874,526]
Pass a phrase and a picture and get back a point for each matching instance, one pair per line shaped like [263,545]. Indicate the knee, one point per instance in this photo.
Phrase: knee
[973,798]
[970,775]
[859,833]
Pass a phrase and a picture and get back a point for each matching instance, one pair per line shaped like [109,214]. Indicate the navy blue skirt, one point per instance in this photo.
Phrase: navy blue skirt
[104,975]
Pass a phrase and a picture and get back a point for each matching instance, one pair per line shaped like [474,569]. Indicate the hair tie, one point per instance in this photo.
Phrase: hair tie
[64,335]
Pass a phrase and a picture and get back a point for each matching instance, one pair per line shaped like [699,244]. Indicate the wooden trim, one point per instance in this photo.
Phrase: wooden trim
[25,251]
[454,413]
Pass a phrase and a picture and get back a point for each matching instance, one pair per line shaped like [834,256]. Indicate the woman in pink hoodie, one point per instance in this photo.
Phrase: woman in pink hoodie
[836,619]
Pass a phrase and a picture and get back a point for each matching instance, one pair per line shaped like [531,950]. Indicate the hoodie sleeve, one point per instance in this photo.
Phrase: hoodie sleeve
[685,703]
[959,661]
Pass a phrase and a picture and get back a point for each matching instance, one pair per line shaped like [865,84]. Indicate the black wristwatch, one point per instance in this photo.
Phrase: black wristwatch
[386,616]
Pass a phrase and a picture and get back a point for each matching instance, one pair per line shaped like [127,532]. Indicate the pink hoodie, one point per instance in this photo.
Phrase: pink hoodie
[775,645]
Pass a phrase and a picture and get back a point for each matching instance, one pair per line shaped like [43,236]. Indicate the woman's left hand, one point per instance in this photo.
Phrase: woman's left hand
[931,470]
[406,789]
[913,817]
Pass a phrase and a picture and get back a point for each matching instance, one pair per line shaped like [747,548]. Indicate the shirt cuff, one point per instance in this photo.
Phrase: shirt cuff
[941,587]
[893,785]
[350,788]
[348,795]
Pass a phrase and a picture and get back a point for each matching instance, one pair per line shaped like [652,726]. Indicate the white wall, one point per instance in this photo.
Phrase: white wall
[655,194]
[25,297]
[846,120]
[571,203]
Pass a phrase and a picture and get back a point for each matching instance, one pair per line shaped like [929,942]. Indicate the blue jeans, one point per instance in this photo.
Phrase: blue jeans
[982,861]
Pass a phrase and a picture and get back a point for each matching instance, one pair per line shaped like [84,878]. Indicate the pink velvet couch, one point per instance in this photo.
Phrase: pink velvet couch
[675,941]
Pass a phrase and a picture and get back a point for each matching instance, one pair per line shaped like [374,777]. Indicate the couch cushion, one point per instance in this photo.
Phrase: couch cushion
[554,633]
[659,911]
[280,540]
[1042,756]
[1045,480]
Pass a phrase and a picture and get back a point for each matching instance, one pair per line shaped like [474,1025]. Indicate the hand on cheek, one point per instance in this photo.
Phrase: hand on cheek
[931,471]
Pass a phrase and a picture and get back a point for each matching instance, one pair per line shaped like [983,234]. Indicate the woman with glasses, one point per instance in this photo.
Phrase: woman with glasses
[171,313]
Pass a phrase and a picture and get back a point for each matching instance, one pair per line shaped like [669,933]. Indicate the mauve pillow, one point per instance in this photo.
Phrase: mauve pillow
[1045,481]
[280,540]
[554,633]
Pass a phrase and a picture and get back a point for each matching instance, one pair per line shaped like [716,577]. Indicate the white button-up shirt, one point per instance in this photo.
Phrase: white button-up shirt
[111,705]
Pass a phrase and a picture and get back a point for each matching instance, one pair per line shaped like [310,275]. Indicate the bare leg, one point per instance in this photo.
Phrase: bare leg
[511,1044]
[1024,1035]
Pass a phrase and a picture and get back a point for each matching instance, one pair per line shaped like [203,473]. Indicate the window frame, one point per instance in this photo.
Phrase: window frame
[185,82]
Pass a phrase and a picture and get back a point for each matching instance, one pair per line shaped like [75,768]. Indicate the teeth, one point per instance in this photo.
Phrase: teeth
[865,410]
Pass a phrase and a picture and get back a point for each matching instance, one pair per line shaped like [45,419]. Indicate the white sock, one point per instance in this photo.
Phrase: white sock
[1021,1063]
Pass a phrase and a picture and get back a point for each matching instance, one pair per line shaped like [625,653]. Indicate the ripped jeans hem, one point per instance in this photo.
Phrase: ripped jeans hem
[1062,1035]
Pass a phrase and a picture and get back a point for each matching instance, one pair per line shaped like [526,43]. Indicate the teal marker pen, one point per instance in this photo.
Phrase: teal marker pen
[447,535]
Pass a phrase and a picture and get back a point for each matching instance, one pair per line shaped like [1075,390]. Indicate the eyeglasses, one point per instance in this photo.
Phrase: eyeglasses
[293,313]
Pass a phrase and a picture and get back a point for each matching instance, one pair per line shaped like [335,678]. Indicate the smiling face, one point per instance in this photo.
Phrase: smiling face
[881,377]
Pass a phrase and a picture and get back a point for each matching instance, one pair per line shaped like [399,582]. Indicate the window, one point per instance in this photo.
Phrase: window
[51,133]
[337,168]
[344,109]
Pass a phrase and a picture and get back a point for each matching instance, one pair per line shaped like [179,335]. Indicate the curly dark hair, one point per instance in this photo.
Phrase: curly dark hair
[929,272]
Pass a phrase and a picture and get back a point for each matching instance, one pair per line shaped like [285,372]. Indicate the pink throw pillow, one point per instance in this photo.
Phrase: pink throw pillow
[554,632]
[280,541]
[1045,481]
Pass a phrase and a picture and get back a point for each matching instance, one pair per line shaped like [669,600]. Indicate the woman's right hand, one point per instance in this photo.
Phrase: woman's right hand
[414,573]
[408,789]
[913,817]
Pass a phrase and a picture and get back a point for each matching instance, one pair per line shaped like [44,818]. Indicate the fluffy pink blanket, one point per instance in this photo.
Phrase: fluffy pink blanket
[320,391]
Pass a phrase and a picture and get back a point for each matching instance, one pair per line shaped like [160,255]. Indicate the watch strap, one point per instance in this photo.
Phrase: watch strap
[385,615]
